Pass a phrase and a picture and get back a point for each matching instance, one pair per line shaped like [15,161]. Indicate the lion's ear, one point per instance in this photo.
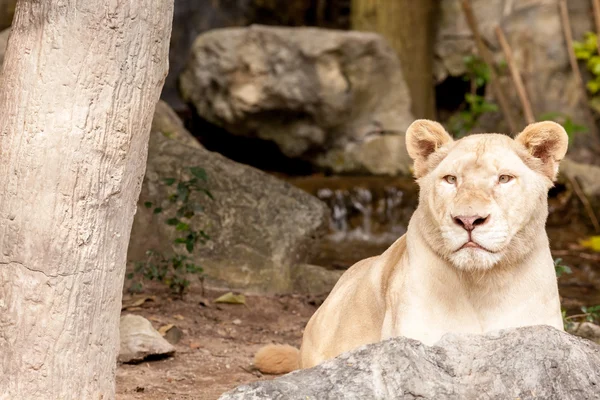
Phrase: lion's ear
[546,141]
[423,138]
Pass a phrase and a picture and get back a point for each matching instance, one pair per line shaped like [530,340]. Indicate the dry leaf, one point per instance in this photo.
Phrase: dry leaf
[231,298]
[592,243]
[179,317]
[137,302]
[163,329]
[195,345]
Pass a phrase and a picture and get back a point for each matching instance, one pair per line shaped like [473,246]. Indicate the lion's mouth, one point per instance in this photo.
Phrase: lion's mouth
[473,245]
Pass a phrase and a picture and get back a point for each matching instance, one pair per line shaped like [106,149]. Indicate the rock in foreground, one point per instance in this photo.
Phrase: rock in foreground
[326,96]
[140,340]
[532,362]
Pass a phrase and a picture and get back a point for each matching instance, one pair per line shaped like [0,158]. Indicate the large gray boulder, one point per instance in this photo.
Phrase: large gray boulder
[526,363]
[192,17]
[335,98]
[259,226]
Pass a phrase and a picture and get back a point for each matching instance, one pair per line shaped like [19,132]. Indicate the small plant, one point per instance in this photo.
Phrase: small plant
[560,268]
[172,270]
[475,105]
[570,126]
[168,270]
[186,209]
[588,314]
[588,51]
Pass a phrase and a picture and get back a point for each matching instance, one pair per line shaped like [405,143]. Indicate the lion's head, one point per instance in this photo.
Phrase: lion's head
[483,198]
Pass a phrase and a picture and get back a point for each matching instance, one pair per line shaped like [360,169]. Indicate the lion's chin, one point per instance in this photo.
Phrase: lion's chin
[474,259]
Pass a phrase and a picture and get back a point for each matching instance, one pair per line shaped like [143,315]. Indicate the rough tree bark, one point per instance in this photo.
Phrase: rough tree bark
[81,79]
[408,27]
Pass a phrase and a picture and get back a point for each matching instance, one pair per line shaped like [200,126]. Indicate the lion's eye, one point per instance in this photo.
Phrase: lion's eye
[450,179]
[505,178]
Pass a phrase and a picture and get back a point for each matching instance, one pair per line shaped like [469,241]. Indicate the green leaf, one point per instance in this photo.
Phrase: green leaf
[172,221]
[130,275]
[169,181]
[148,204]
[180,240]
[199,173]
[189,246]
[183,192]
[488,107]
[158,210]
[591,41]
[182,226]
[593,87]
[582,54]
[208,193]
[550,116]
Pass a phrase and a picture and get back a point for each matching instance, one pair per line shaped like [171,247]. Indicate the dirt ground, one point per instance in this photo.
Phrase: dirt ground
[215,352]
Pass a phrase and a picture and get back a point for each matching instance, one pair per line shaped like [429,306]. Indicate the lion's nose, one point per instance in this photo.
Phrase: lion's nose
[471,222]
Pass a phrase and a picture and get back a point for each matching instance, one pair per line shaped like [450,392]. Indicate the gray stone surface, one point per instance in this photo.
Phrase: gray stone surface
[259,226]
[314,279]
[526,363]
[533,29]
[586,330]
[140,340]
[320,95]
[587,175]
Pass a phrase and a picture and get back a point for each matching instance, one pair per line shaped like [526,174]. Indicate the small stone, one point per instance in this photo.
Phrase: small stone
[195,345]
[237,321]
[139,340]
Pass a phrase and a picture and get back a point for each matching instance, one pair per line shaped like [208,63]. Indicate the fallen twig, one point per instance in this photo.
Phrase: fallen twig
[516,76]
[485,53]
[586,203]
[596,6]
[571,253]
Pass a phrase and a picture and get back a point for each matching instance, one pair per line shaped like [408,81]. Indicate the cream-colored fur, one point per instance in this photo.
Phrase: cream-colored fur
[487,190]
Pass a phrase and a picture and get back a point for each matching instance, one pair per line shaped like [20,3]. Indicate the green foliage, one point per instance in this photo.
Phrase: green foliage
[172,270]
[474,106]
[477,71]
[571,127]
[560,268]
[588,314]
[587,51]
[169,270]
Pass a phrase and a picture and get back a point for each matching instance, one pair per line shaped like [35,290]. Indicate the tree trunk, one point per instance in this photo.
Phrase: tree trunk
[408,27]
[79,87]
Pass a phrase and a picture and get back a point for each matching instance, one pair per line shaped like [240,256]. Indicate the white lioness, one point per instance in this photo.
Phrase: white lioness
[475,257]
